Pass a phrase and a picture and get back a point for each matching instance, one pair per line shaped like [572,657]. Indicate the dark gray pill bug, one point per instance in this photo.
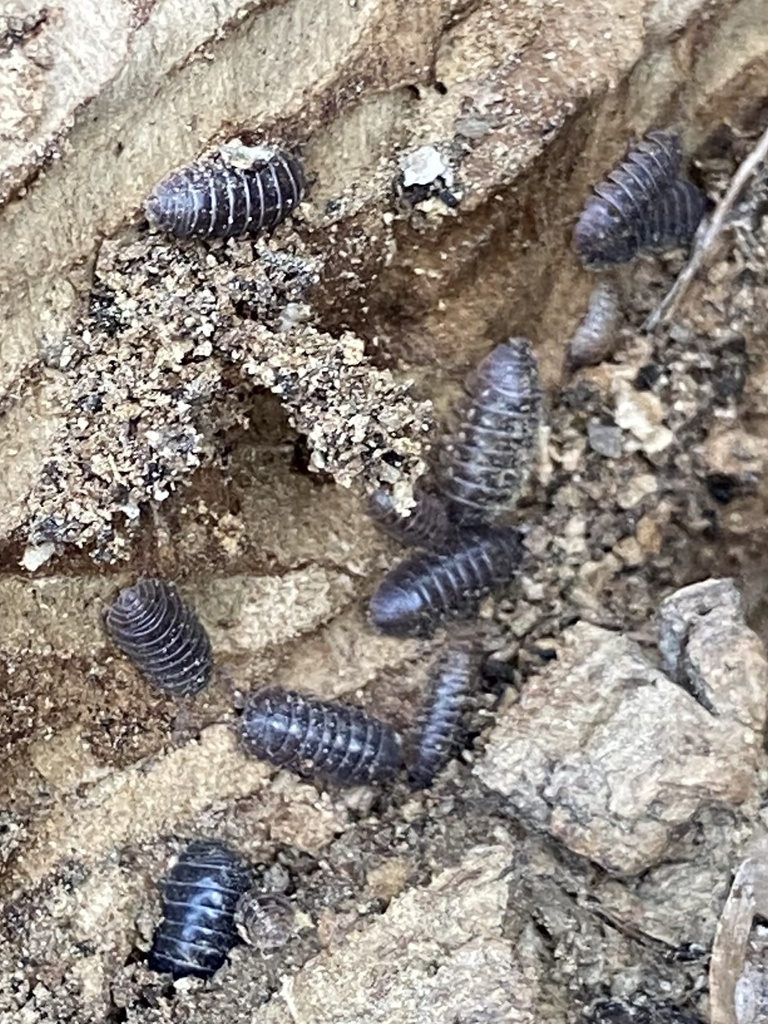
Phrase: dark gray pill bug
[674,219]
[265,920]
[211,200]
[434,737]
[482,459]
[320,739]
[162,636]
[612,226]
[426,526]
[595,337]
[428,589]
[200,895]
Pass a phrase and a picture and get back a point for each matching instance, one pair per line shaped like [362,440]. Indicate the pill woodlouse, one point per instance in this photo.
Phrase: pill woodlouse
[162,636]
[210,200]
[595,337]
[320,739]
[427,525]
[265,920]
[483,458]
[427,589]
[434,736]
[641,204]
[198,926]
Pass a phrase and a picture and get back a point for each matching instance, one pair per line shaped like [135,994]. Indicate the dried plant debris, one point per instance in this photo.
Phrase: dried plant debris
[361,423]
[166,360]
[738,973]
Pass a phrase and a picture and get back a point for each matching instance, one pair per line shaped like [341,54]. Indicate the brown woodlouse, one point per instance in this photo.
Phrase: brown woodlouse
[320,739]
[210,200]
[265,920]
[483,458]
[162,636]
[450,683]
[595,337]
[642,204]
[198,926]
[427,525]
[423,591]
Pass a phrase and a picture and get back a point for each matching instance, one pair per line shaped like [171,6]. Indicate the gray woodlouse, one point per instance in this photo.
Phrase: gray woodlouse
[450,683]
[162,636]
[483,458]
[595,337]
[427,589]
[427,525]
[210,200]
[641,204]
[200,895]
[320,739]
[265,920]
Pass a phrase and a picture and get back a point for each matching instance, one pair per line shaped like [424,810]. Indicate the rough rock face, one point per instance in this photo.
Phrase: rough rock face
[214,413]
[613,757]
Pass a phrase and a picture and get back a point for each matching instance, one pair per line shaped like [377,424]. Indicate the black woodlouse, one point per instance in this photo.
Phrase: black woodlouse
[198,926]
[483,458]
[427,589]
[320,739]
[450,683]
[211,200]
[427,525]
[265,920]
[595,337]
[641,204]
[162,636]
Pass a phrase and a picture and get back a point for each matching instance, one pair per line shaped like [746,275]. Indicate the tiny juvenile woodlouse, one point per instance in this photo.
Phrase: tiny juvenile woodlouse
[483,458]
[427,525]
[594,338]
[162,636]
[198,926]
[265,920]
[450,683]
[641,204]
[320,739]
[210,200]
[427,589]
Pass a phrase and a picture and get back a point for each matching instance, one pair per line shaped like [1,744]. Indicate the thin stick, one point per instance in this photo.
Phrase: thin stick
[705,242]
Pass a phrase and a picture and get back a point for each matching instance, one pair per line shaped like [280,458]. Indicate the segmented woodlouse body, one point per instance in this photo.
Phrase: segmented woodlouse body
[162,636]
[675,219]
[641,204]
[210,200]
[427,589]
[265,920]
[198,926]
[594,338]
[483,458]
[427,525]
[435,733]
[320,739]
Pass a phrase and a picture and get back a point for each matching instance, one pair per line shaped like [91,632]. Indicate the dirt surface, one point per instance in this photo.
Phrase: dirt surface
[216,413]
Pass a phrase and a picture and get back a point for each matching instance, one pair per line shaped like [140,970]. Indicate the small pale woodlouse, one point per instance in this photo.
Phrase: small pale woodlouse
[595,337]
[483,458]
[427,589]
[162,636]
[200,896]
[215,200]
[426,526]
[450,683]
[320,739]
[641,204]
[265,920]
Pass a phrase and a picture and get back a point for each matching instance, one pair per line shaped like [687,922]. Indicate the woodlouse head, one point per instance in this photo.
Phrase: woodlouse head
[398,610]
[599,239]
